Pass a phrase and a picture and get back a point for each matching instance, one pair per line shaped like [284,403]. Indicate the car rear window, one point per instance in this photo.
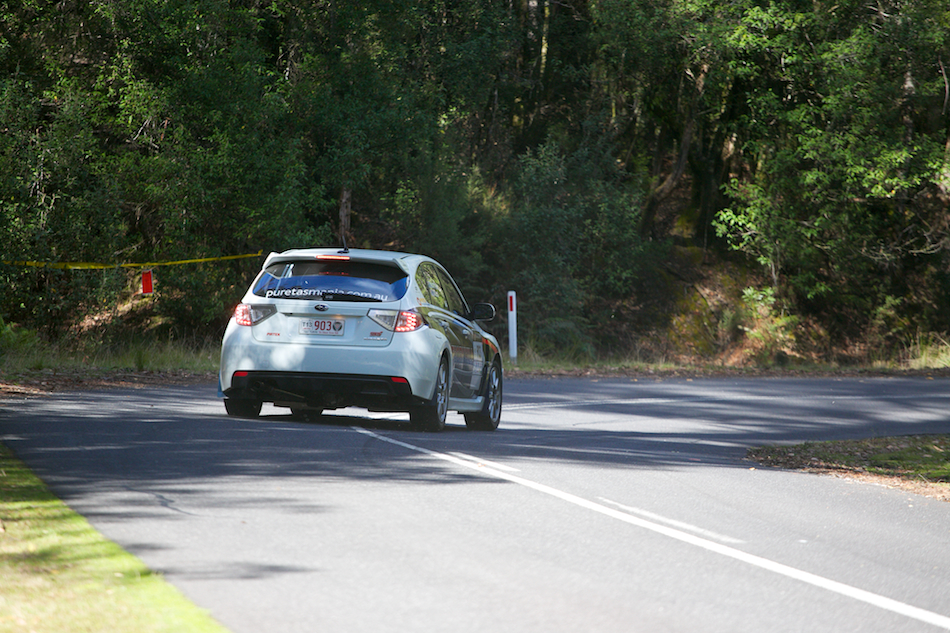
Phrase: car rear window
[332,281]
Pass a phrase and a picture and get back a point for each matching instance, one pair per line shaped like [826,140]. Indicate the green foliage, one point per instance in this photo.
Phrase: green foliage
[573,248]
[15,339]
[771,332]
[889,326]
[206,128]
[847,150]
[543,248]
[545,147]
[730,325]
[545,245]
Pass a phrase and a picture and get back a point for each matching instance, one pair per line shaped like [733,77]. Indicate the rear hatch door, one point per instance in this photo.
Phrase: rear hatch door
[313,323]
[328,301]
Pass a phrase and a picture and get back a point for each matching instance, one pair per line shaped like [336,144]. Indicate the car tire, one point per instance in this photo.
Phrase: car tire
[488,418]
[431,415]
[242,408]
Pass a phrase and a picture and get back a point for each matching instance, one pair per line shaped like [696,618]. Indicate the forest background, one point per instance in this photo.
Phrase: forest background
[741,181]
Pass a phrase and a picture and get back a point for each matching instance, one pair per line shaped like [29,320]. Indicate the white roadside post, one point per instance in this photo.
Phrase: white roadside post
[513,327]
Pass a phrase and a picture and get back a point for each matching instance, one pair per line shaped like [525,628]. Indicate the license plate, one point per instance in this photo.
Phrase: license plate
[321,327]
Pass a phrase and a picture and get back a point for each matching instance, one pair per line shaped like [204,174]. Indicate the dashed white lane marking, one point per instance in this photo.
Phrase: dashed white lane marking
[882,602]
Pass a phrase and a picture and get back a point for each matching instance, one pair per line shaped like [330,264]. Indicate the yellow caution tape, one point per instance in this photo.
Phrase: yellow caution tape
[97,266]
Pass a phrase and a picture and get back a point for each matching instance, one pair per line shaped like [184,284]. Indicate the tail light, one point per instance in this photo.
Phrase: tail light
[409,321]
[247,314]
[398,320]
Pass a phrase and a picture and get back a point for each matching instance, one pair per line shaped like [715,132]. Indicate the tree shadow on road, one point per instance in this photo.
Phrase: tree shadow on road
[182,435]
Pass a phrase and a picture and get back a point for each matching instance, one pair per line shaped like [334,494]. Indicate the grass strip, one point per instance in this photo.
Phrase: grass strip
[58,575]
[916,459]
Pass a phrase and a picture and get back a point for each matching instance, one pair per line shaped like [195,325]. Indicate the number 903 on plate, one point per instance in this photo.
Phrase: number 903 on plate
[321,327]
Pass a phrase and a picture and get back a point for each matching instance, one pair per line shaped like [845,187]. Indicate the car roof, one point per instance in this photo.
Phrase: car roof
[406,261]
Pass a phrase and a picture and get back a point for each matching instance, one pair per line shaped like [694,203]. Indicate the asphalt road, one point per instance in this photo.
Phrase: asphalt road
[598,505]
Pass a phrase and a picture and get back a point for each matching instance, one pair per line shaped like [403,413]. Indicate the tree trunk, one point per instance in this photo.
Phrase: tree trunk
[345,208]
[663,191]
[667,186]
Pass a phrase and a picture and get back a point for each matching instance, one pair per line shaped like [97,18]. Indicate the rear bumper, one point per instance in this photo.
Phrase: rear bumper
[324,391]
[330,376]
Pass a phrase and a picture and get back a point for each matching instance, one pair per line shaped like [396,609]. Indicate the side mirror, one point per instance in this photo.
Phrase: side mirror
[483,312]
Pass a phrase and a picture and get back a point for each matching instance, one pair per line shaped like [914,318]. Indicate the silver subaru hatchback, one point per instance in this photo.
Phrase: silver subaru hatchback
[323,329]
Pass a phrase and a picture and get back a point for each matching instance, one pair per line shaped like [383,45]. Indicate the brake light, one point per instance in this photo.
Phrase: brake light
[247,314]
[338,258]
[409,321]
[398,321]
[242,314]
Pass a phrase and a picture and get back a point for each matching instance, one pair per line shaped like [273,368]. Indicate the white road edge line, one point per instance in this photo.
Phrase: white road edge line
[478,461]
[834,586]
[722,538]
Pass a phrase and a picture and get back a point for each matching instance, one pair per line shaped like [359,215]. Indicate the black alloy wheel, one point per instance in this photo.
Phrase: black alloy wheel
[431,415]
[488,418]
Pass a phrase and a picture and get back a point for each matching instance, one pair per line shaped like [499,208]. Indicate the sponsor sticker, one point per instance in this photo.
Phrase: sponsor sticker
[326,295]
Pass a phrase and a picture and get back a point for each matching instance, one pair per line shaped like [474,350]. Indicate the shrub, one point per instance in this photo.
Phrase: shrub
[772,333]
[14,338]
